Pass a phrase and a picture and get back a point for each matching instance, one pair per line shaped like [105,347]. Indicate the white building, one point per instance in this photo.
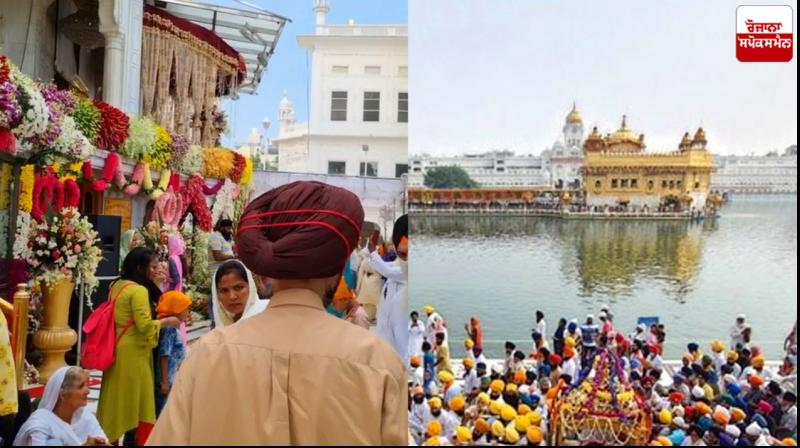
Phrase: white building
[756,174]
[497,169]
[358,104]
[566,156]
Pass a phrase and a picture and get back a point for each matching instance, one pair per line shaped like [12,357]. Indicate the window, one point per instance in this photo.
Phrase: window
[672,185]
[664,184]
[338,106]
[337,167]
[634,183]
[624,183]
[417,169]
[402,107]
[340,69]
[372,70]
[614,183]
[679,184]
[500,169]
[372,106]
[400,169]
[402,71]
[697,185]
[368,169]
[598,185]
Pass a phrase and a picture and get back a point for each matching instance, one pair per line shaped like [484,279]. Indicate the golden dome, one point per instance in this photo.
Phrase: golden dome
[595,135]
[700,136]
[574,117]
[624,135]
[686,141]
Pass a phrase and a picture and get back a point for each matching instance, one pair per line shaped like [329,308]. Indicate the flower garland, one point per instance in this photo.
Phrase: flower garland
[239,164]
[49,192]
[217,163]
[10,112]
[163,184]
[27,180]
[141,136]
[158,155]
[24,226]
[224,205]
[178,149]
[200,272]
[113,127]
[247,175]
[62,100]
[211,191]
[5,187]
[169,207]
[192,162]
[72,143]
[194,201]
[87,119]
[35,113]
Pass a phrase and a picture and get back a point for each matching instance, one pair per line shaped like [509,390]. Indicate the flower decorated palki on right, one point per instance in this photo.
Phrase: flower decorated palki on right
[603,410]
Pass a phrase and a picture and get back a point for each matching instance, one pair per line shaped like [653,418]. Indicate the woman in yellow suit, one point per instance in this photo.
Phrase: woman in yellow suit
[127,394]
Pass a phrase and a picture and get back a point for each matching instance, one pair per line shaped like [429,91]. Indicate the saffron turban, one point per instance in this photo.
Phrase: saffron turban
[301,230]
[172,303]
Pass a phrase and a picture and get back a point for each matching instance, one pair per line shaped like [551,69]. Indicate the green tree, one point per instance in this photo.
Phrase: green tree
[449,177]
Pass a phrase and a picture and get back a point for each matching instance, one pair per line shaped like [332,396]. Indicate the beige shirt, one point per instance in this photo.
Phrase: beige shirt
[293,375]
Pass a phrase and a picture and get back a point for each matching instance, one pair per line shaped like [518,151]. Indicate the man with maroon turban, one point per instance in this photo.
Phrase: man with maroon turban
[292,375]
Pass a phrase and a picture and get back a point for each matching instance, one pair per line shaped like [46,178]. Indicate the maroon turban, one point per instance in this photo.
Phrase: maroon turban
[302,230]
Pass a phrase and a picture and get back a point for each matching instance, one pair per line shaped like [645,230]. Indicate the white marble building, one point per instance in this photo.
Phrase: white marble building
[566,155]
[497,169]
[756,174]
[358,105]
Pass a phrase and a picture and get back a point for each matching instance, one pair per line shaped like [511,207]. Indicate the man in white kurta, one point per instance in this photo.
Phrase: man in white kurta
[393,307]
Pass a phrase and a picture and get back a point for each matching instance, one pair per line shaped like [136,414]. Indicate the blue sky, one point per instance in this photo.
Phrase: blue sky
[288,67]
[507,72]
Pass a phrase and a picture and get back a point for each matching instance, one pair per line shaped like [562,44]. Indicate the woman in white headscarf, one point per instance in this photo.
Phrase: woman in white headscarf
[234,294]
[62,418]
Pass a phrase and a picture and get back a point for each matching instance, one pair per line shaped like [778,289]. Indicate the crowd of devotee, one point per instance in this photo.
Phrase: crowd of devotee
[591,382]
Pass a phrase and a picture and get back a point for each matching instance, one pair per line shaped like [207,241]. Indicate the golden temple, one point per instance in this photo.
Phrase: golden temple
[617,171]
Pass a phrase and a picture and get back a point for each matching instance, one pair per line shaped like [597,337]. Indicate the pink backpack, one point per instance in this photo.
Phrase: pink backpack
[100,344]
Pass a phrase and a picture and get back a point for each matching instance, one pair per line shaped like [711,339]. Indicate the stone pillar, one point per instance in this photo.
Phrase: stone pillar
[121,24]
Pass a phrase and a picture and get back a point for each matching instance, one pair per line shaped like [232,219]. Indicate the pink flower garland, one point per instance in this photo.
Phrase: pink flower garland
[210,191]
[170,207]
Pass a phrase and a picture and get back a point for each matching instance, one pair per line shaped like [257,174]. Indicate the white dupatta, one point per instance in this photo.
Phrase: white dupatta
[83,425]
[222,318]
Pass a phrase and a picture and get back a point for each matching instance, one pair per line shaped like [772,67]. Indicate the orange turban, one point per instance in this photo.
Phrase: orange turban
[343,292]
[756,381]
[520,377]
[172,303]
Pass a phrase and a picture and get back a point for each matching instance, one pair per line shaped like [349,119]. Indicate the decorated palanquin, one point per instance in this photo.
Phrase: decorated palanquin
[604,410]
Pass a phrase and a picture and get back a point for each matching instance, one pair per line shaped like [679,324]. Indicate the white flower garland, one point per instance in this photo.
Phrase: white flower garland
[225,205]
[35,116]
[192,162]
[23,234]
[72,143]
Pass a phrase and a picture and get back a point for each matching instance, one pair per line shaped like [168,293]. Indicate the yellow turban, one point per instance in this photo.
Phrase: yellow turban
[535,417]
[733,356]
[172,303]
[457,403]
[433,441]
[758,362]
[463,434]
[446,377]
[497,386]
[511,388]
[497,429]
[718,346]
[665,417]
[521,423]
[435,403]
[664,441]
[468,343]
[737,415]
[495,408]
[429,309]
[569,341]
[512,436]
[523,409]
[434,428]
[469,363]
[508,413]
[484,398]
[534,434]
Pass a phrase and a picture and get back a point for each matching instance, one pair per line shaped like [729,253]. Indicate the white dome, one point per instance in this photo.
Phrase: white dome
[285,103]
